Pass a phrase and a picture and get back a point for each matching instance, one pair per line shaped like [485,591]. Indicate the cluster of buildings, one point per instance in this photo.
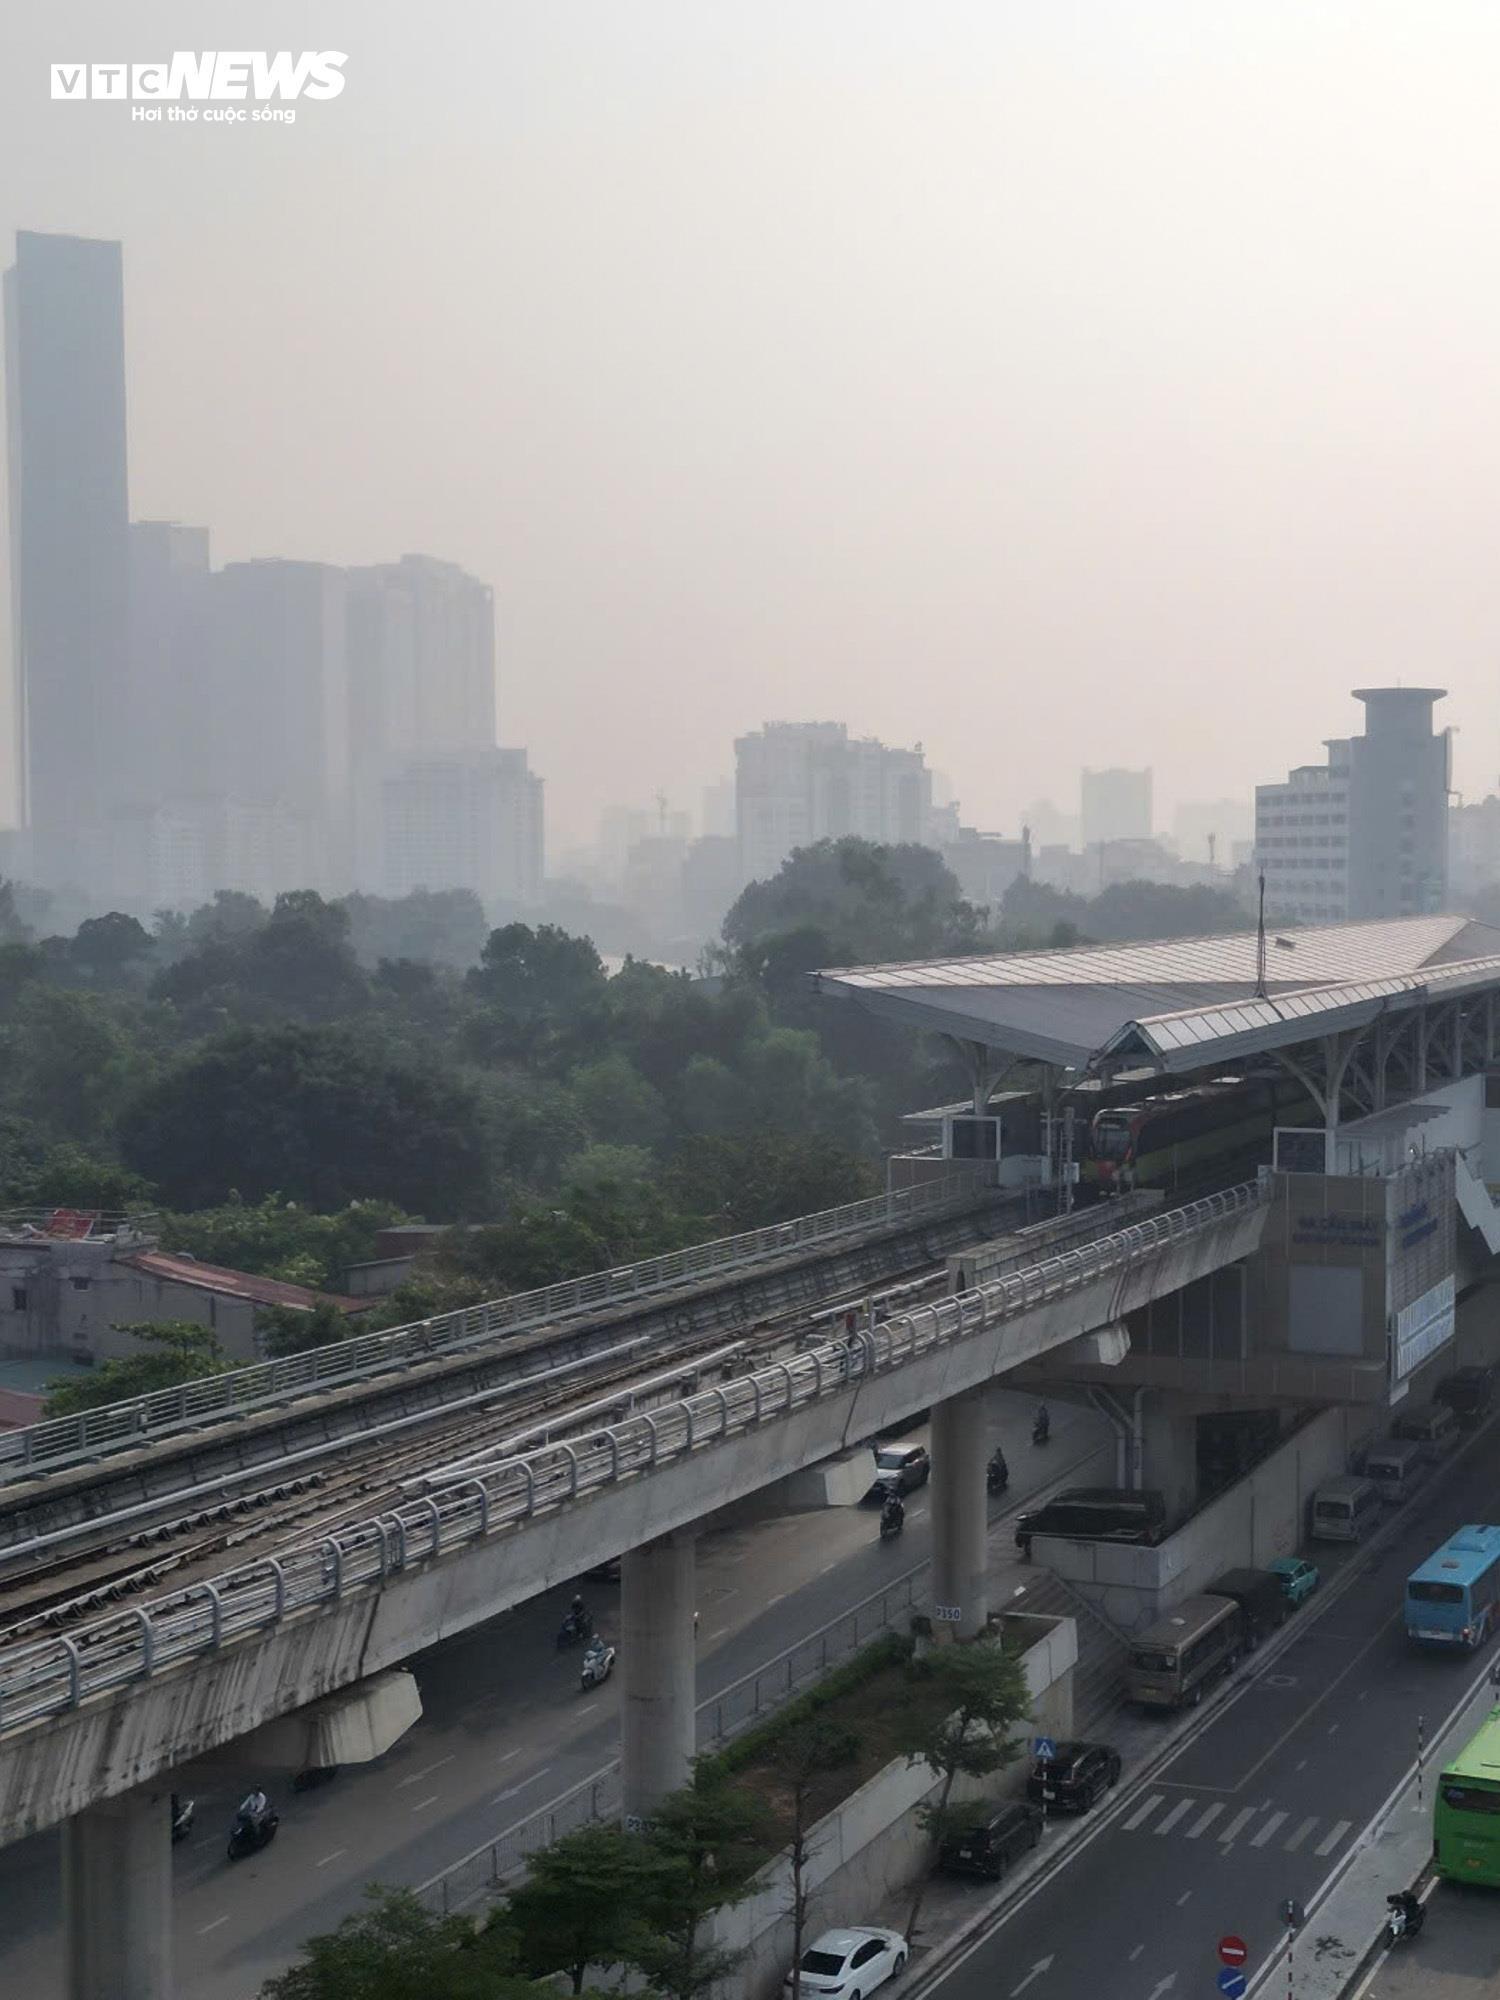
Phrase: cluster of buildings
[265,725]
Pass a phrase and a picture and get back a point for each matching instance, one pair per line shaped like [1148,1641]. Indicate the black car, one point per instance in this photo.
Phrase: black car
[1075,1779]
[992,1843]
[1468,1393]
[898,1468]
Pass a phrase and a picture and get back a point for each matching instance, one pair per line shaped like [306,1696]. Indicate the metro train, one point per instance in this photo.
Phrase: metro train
[1163,1140]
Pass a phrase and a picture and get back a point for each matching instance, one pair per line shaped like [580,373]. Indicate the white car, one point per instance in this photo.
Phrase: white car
[850,1964]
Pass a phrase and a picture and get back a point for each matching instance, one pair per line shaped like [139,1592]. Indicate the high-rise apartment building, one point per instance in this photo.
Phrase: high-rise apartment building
[800,782]
[1114,805]
[65,402]
[421,659]
[281,728]
[469,819]
[1366,834]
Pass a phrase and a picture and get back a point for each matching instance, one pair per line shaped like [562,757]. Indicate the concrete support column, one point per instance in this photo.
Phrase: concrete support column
[960,1519]
[658,1673]
[117,1899]
[1169,1450]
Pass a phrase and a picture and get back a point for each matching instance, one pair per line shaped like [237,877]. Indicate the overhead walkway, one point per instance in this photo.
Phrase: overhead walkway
[84,1717]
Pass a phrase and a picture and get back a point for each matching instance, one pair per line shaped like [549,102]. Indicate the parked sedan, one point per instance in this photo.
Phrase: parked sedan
[850,1964]
[1298,1578]
[898,1468]
[1075,1779]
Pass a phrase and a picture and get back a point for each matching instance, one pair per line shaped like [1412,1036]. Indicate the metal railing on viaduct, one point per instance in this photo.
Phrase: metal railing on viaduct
[50,1677]
[60,1441]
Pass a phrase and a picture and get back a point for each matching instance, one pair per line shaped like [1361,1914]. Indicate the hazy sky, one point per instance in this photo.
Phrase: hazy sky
[1051,383]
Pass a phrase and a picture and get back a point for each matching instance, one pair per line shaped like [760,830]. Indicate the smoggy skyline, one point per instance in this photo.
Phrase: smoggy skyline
[1055,386]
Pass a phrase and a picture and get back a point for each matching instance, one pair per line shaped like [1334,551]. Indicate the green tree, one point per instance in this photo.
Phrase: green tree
[111,950]
[301,961]
[869,903]
[533,974]
[282,1239]
[315,1114]
[808,1753]
[981,1691]
[746,1183]
[174,1351]
[398,1950]
[427,926]
[291,1330]
[13,927]
[581,1903]
[706,1843]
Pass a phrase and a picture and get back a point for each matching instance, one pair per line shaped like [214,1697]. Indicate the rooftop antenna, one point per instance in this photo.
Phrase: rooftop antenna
[1260,942]
[1213,843]
[661,811]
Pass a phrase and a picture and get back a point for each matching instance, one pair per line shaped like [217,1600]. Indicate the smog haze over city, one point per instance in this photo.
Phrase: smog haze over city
[1051,385]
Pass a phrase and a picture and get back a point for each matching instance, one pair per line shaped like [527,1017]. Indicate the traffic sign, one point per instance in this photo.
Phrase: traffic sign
[1044,1749]
[1233,1950]
[1231,1982]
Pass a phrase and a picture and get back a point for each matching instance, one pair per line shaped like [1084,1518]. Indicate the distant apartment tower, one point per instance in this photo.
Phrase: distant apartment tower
[800,782]
[1114,805]
[280,749]
[421,659]
[1366,834]
[469,819]
[65,402]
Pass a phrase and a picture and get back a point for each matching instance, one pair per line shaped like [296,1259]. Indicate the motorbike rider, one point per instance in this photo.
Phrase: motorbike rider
[578,1612]
[1042,1424]
[893,1511]
[1405,1906]
[254,1806]
[998,1472]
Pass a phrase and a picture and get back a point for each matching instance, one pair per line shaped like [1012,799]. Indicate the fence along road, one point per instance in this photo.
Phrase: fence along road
[60,1441]
[49,1677]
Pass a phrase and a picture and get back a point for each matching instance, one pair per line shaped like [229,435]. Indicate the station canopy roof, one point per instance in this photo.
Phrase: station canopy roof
[1183,1004]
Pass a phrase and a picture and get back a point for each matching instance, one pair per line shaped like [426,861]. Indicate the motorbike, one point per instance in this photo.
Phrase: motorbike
[250,1834]
[997,1474]
[574,1630]
[892,1521]
[182,1817]
[1404,1917]
[1041,1430]
[598,1665]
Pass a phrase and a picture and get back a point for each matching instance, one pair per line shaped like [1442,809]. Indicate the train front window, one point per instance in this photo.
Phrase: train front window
[1111,1137]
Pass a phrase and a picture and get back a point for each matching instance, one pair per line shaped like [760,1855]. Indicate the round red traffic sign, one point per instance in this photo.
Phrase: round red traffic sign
[1233,1950]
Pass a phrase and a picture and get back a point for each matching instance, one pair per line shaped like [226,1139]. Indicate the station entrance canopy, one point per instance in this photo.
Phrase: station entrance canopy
[1427,985]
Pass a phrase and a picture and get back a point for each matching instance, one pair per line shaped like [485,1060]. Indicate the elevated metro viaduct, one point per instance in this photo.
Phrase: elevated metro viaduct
[1390,1027]
[1378,1214]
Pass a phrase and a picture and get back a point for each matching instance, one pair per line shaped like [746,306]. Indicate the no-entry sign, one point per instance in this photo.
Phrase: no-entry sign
[1233,1950]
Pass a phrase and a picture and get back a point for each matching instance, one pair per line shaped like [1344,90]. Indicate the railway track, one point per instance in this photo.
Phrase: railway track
[85,1570]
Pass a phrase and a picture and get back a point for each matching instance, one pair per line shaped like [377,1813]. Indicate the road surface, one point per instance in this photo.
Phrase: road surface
[1258,1804]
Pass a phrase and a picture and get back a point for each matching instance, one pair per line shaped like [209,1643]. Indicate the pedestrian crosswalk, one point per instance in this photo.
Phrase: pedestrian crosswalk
[1260,1825]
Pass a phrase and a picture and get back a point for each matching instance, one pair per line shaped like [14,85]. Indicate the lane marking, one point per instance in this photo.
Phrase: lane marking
[1301,1834]
[1238,1823]
[423,1804]
[777,1598]
[1185,1897]
[332,1857]
[1326,1847]
[1303,1765]
[511,1790]
[1143,1812]
[723,1629]
[826,1568]
[588,1708]
[1207,1820]
[213,1926]
[1333,1729]
[1136,1953]
[508,1755]
[1268,1832]
[417,1776]
[1182,1807]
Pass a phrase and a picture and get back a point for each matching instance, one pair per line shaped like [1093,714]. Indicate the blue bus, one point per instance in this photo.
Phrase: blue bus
[1454,1598]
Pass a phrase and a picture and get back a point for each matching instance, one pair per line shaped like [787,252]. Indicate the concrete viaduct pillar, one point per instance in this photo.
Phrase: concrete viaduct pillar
[658,1672]
[960,1517]
[117,1899]
[1169,1449]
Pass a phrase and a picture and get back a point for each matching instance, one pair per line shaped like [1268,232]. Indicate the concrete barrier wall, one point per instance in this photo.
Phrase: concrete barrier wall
[1261,1516]
[871,1847]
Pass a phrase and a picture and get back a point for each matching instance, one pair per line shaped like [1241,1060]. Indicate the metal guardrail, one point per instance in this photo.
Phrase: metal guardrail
[48,1677]
[59,1441]
[487,1868]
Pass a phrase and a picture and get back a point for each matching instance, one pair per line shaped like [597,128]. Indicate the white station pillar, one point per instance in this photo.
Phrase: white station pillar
[658,1673]
[117,1899]
[960,1517]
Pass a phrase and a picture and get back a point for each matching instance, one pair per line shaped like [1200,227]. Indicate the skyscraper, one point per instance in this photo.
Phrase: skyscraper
[1114,805]
[65,402]
[801,782]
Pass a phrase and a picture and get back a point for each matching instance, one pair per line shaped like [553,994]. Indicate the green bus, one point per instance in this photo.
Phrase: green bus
[1466,1816]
